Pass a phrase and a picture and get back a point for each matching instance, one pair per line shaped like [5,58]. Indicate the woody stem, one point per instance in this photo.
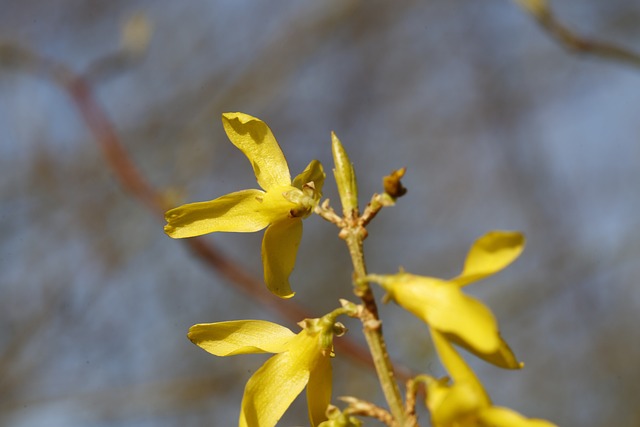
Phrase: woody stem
[372,326]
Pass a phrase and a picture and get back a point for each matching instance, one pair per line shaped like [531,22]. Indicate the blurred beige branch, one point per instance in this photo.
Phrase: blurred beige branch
[542,13]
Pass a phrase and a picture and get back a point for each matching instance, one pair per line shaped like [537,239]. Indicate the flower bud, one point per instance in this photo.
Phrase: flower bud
[345,178]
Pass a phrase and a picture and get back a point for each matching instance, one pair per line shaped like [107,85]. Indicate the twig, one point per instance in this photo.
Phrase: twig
[573,42]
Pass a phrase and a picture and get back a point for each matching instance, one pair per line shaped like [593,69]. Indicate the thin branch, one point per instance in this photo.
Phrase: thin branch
[368,409]
[541,12]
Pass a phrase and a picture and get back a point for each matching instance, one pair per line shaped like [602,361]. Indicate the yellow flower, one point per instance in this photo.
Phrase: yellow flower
[465,403]
[280,207]
[444,307]
[301,360]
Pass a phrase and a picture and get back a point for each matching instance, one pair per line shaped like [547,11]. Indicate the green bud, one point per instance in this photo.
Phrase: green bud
[345,178]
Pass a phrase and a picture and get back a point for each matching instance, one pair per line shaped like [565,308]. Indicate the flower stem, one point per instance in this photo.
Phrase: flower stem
[372,326]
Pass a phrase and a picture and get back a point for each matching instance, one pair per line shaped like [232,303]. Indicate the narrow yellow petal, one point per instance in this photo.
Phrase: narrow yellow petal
[319,390]
[458,407]
[504,417]
[254,138]
[241,211]
[312,173]
[462,399]
[490,254]
[437,391]
[279,251]
[502,357]
[454,363]
[240,337]
[272,389]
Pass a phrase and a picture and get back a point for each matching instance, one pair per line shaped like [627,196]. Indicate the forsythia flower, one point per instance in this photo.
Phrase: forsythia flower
[280,207]
[302,359]
[465,403]
[445,308]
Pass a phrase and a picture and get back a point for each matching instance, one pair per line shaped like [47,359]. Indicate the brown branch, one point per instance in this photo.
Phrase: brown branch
[573,42]
[105,134]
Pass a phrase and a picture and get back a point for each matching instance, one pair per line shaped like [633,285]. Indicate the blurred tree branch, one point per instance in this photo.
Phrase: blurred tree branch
[79,89]
[542,13]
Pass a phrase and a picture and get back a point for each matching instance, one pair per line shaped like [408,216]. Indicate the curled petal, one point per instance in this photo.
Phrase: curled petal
[470,324]
[279,251]
[496,416]
[312,173]
[240,337]
[319,390]
[254,138]
[241,211]
[446,308]
[502,357]
[272,389]
[468,319]
[490,254]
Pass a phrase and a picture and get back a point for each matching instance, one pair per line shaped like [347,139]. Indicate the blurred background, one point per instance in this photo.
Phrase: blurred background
[498,126]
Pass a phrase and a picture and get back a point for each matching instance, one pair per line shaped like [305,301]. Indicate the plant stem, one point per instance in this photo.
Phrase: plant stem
[372,326]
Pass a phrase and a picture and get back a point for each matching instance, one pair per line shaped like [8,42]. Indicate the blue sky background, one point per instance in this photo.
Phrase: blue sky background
[499,127]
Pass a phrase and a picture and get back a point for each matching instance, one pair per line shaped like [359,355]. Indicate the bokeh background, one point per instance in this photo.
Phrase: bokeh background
[499,127]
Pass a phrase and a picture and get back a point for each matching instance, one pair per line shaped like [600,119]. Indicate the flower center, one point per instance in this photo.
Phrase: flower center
[303,199]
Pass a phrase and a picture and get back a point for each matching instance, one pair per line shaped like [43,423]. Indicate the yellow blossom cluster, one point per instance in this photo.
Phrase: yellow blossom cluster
[303,360]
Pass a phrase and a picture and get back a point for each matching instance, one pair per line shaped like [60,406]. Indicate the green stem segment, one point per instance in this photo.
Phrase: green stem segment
[372,326]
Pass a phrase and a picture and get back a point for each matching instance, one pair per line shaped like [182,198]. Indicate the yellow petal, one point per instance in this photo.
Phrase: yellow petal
[503,417]
[312,173]
[465,398]
[437,392]
[443,306]
[276,205]
[457,408]
[446,308]
[502,357]
[455,365]
[319,390]
[272,389]
[241,211]
[490,254]
[279,251]
[254,138]
[470,324]
[240,337]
